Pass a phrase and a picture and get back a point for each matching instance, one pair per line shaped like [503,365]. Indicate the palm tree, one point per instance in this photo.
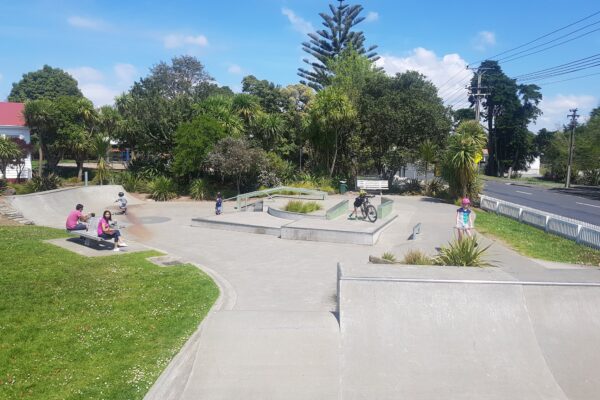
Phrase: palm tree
[37,115]
[221,108]
[246,106]
[428,154]
[9,152]
[100,148]
[460,167]
[333,118]
[269,128]
[81,136]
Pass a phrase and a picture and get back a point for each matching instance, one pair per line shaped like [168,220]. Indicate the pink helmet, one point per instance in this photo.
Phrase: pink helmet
[466,201]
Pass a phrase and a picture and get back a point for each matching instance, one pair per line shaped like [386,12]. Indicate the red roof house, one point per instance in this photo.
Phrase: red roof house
[12,124]
[11,114]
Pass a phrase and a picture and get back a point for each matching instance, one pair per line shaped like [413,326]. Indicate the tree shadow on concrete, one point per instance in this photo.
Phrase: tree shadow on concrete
[588,192]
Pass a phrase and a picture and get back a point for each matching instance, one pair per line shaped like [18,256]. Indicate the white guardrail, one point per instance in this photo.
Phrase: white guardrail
[579,231]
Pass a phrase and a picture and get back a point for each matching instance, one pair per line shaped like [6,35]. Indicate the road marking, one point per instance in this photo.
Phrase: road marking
[586,204]
[518,191]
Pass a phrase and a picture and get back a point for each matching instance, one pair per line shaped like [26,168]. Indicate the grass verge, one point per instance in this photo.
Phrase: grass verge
[73,327]
[533,242]
[529,180]
[298,206]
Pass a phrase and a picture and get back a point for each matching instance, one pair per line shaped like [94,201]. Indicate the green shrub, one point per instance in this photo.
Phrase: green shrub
[417,257]
[463,253]
[3,184]
[148,167]
[298,206]
[434,187]
[43,183]
[306,181]
[389,256]
[132,182]
[162,189]
[199,190]
[21,188]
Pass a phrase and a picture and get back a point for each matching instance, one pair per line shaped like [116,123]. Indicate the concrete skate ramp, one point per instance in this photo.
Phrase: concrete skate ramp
[468,338]
[52,207]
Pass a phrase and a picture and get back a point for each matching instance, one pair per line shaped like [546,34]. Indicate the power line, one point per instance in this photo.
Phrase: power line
[550,47]
[456,96]
[454,76]
[542,37]
[560,73]
[571,63]
[461,83]
[570,79]
[553,40]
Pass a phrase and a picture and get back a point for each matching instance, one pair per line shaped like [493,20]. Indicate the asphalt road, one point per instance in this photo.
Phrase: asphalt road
[577,204]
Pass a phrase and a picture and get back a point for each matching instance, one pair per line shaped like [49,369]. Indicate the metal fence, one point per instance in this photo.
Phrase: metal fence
[579,231]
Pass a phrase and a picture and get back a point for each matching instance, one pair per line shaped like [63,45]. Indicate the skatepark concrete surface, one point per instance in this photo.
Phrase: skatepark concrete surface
[523,330]
[51,208]
[340,230]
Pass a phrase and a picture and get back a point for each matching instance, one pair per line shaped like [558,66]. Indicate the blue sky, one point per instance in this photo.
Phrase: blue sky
[108,44]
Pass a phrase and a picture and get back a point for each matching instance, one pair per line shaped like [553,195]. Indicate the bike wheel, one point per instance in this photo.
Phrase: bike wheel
[371,213]
[363,210]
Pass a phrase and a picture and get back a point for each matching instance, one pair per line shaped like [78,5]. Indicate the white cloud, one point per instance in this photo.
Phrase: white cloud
[298,23]
[87,23]
[100,94]
[102,88]
[448,73]
[173,41]
[555,110]
[85,75]
[235,69]
[125,73]
[372,16]
[484,40]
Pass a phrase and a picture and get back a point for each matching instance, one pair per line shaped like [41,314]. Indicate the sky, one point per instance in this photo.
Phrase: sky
[107,45]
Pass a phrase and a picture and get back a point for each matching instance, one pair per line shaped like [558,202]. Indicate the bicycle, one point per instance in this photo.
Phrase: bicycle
[368,210]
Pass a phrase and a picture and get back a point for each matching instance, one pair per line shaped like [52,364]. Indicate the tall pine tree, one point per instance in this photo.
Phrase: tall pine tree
[326,44]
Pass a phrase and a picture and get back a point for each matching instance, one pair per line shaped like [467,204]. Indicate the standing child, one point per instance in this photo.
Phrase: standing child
[465,219]
[219,204]
[122,203]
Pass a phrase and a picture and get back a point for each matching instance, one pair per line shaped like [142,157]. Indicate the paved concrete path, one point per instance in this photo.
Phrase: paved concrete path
[273,333]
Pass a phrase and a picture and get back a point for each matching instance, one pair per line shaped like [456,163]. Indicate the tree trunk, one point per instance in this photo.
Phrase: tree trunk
[334,156]
[79,170]
[41,159]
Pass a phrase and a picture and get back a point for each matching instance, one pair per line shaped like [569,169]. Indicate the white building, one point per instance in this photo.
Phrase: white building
[12,124]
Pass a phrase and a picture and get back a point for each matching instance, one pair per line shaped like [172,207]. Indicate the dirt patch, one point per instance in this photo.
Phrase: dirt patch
[7,222]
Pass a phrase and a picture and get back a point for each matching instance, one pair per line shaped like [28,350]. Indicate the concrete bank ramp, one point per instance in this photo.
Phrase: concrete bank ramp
[51,208]
[472,334]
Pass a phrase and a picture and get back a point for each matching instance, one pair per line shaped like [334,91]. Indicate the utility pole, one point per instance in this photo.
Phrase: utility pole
[478,95]
[573,124]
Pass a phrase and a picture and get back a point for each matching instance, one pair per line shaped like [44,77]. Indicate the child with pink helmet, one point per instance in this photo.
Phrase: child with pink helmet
[465,219]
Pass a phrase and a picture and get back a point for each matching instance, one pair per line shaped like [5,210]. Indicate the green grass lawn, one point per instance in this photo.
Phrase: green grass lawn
[528,180]
[73,327]
[533,242]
